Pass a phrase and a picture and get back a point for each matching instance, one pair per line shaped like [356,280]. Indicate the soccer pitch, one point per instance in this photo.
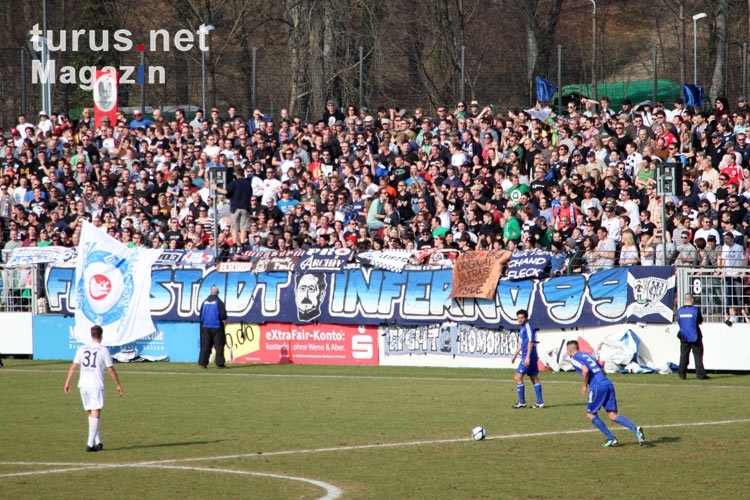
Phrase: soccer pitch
[312,432]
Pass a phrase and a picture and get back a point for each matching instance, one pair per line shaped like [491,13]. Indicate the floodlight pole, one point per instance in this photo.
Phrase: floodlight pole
[593,55]
[204,29]
[696,18]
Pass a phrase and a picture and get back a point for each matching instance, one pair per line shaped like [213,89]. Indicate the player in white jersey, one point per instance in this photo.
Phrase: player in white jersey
[93,359]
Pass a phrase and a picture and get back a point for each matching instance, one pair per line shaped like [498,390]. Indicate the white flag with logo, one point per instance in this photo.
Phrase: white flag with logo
[112,288]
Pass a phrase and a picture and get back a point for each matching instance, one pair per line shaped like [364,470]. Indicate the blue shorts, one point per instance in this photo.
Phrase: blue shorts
[601,395]
[532,369]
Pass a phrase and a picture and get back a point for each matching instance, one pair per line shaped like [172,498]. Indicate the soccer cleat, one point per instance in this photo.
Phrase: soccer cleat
[639,435]
[538,405]
[611,443]
[519,405]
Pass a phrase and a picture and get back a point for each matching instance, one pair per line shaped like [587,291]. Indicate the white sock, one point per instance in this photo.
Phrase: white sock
[93,430]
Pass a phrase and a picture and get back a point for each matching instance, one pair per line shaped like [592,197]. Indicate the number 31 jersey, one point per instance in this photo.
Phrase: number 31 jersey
[93,359]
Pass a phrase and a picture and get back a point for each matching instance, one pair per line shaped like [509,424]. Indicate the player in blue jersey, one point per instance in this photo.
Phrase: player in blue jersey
[529,361]
[600,394]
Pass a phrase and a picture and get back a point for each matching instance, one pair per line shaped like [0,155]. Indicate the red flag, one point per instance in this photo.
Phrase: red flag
[105,96]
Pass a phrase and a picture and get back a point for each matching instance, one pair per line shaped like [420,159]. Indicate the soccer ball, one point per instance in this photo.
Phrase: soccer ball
[478,433]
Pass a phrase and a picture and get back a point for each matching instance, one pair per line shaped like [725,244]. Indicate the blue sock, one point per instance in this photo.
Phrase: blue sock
[625,422]
[521,388]
[538,391]
[602,427]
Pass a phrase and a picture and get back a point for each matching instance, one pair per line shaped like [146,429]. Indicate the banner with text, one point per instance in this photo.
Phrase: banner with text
[169,258]
[528,264]
[320,344]
[394,260]
[26,256]
[54,338]
[197,258]
[323,259]
[366,296]
[436,256]
[449,339]
[475,274]
[275,261]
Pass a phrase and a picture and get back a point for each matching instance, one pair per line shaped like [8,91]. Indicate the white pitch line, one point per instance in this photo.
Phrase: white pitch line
[51,464]
[225,373]
[332,492]
[54,471]
[434,441]
[354,447]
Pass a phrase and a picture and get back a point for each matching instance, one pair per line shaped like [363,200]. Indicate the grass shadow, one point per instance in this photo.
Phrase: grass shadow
[8,363]
[562,405]
[165,445]
[662,440]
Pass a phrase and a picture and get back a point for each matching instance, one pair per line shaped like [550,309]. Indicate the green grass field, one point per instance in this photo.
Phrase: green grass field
[303,432]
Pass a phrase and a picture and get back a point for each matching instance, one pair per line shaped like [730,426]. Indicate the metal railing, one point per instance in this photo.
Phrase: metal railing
[719,292]
[20,289]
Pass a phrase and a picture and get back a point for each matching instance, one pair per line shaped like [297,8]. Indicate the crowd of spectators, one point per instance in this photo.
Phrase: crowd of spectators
[580,184]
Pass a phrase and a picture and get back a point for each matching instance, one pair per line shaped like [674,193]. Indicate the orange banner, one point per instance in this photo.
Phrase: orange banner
[476,274]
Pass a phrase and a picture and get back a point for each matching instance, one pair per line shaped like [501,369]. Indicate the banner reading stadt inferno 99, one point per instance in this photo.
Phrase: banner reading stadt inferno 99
[105,96]
[365,296]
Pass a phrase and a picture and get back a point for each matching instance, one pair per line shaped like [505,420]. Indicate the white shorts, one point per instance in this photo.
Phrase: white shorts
[93,399]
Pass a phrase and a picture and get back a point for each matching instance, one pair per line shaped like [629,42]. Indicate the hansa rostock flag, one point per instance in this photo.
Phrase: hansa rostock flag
[112,289]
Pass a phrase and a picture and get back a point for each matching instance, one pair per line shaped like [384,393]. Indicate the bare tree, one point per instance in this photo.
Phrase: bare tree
[232,16]
[718,79]
[319,53]
[677,8]
[297,51]
[307,49]
[540,24]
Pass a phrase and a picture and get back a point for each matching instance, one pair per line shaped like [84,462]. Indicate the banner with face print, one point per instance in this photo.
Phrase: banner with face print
[366,296]
[105,96]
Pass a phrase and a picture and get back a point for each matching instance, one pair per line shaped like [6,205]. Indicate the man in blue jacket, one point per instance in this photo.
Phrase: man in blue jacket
[213,319]
[689,319]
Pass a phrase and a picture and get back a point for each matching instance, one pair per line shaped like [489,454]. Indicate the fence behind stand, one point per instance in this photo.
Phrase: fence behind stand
[20,289]
[716,291]
[179,339]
